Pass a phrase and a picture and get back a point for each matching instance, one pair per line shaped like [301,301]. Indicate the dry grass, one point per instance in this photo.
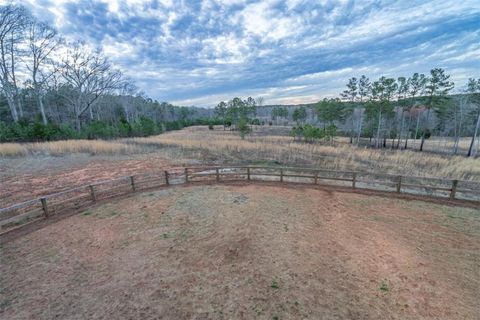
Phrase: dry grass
[263,147]
[339,156]
[12,149]
[93,147]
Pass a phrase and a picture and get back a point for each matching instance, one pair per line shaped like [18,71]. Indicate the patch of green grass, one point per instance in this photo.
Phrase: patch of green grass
[87,213]
[384,286]
[274,284]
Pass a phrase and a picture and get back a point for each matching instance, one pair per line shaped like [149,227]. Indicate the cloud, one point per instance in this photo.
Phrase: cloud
[201,52]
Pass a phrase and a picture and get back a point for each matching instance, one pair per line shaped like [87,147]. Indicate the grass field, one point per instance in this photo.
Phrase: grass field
[248,252]
[43,168]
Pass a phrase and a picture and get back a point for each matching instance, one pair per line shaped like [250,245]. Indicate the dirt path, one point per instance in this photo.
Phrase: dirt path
[243,252]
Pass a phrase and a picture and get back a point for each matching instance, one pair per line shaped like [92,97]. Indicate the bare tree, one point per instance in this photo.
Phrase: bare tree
[260,101]
[402,90]
[127,92]
[458,114]
[89,75]
[12,24]
[417,84]
[364,89]
[42,41]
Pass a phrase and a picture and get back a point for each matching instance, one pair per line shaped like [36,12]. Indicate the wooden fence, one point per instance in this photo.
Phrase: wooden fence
[79,197]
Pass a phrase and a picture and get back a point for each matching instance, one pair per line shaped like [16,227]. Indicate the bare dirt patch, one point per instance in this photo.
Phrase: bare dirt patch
[26,178]
[243,252]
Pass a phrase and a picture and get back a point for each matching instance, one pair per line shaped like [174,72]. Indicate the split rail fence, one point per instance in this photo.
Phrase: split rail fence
[79,197]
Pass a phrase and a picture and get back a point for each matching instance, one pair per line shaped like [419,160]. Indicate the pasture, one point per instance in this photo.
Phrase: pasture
[242,251]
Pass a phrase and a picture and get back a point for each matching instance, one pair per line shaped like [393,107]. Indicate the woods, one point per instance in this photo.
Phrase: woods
[57,89]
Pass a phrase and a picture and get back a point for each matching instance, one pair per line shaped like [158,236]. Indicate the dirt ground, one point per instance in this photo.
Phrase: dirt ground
[248,252]
[26,178]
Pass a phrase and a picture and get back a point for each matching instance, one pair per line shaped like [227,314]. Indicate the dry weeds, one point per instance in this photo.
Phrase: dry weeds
[226,147]
[61,147]
[341,156]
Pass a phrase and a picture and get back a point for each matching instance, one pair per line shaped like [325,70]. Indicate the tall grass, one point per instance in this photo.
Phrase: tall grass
[93,147]
[225,146]
[341,156]
[12,149]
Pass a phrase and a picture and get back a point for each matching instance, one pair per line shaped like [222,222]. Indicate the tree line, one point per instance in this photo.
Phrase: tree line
[402,108]
[55,89]
[392,109]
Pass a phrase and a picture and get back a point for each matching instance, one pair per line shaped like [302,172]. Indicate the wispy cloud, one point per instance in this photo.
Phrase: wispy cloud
[200,52]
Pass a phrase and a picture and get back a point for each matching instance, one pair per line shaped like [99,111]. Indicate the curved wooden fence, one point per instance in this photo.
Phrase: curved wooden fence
[43,207]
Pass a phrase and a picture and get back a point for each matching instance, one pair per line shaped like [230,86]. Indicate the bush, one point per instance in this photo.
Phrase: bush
[100,129]
[145,127]
[243,127]
[311,133]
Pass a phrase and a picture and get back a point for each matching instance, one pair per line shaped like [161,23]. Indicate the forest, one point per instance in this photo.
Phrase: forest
[54,89]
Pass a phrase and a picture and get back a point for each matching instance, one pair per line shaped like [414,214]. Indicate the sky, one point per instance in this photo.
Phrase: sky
[288,52]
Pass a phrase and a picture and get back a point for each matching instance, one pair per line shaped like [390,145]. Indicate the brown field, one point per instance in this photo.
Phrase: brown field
[34,169]
[248,252]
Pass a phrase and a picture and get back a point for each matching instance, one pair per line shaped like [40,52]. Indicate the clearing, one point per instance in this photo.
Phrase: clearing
[241,251]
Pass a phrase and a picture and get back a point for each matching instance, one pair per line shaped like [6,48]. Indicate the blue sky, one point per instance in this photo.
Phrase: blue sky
[202,52]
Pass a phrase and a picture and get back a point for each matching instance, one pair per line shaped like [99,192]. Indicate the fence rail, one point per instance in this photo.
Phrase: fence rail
[43,207]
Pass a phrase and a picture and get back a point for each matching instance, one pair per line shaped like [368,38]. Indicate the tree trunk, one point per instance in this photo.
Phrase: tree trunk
[360,127]
[424,130]
[416,130]
[472,143]
[13,107]
[42,109]
[401,129]
[378,129]
[455,145]
[408,130]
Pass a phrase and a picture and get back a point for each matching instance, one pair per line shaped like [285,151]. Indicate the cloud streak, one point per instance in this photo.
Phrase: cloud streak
[200,52]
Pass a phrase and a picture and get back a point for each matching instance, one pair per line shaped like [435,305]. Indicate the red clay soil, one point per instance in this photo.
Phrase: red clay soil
[29,179]
[248,252]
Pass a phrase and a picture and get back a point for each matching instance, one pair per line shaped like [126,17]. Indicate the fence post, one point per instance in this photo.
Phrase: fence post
[92,193]
[186,175]
[166,178]
[354,180]
[217,175]
[281,175]
[454,189]
[44,207]
[248,173]
[399,183]
[132,182]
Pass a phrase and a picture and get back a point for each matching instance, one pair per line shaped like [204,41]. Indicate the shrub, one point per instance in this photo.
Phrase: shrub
[243,127]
